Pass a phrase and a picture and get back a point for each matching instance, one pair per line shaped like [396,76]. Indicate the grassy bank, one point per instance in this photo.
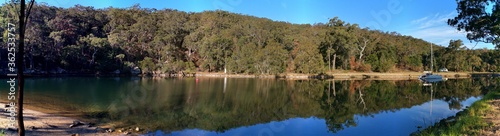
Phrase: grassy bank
[481,118]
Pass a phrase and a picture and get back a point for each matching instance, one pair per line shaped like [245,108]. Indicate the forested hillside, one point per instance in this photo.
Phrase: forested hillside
[88,40]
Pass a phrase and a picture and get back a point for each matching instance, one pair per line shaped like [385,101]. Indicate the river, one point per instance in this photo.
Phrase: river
[249,106]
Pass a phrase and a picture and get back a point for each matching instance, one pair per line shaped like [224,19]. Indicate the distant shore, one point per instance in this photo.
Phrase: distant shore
[354,75]
[292,76]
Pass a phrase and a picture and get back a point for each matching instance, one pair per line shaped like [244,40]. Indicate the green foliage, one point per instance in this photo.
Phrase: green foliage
[385,62]
[339,42]
[216,53]
[243,59]
[271,59]
[176,67]
[307,59]
[128,64]
[120,56]
[456,58]
[380,62]
[190,67]
[415,63]
[147,65]
[474,18]
[103,40]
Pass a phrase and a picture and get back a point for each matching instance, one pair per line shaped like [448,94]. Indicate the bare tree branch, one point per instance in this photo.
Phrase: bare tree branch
[28,12]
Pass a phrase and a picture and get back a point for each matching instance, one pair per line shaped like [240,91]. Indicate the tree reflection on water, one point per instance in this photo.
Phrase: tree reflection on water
[175,104]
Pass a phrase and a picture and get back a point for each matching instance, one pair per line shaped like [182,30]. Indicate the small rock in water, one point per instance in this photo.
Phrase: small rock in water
[137,129]
[109,130]
[76,123]
[119,130]
[100,130]
[127,133]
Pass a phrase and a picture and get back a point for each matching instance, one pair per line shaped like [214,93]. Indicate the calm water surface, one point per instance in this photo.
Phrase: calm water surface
[231,106]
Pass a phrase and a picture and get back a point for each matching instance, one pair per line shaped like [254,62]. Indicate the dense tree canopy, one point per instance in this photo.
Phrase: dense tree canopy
[84,39]
[475,18]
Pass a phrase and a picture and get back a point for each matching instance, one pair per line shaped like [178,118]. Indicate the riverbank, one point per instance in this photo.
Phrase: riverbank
[342,75]
[482,118]
[48,119]
[351,75]
[39,123]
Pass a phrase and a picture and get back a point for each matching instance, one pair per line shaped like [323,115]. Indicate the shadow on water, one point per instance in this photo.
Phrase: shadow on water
[219,105]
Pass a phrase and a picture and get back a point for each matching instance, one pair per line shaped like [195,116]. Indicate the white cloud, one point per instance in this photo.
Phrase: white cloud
[438,34]
[434,28]
[418,21]
[433,20]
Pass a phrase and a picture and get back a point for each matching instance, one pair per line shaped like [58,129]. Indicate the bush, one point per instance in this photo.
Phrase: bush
[365,68]
[147,65]
[190,67]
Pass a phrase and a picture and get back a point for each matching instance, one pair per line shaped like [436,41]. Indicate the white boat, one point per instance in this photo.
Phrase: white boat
[428,76]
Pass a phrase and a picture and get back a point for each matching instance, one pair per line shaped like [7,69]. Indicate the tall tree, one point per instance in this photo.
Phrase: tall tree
[23,17]
[214,40]
[365,38]
[480,24]
[338,42]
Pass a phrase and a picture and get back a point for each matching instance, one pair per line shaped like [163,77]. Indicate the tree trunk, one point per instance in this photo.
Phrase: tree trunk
[20,76]
[362,49]
[19,62]
[334,59]
[329,59]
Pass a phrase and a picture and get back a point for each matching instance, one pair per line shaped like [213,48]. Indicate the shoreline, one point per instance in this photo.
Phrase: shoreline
[291,76]
[42,123]
[481,118]
[43,119]
[352,75]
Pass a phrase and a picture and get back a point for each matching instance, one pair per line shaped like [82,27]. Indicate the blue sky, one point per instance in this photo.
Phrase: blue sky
[425,19]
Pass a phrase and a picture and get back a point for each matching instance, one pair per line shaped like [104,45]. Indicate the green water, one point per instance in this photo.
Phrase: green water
[239,106]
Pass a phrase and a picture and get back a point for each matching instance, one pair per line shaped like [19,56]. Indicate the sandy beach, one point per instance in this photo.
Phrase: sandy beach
[42,124]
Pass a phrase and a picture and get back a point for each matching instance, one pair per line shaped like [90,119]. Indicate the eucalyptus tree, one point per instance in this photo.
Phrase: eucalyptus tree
[339,40]
[480,22]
